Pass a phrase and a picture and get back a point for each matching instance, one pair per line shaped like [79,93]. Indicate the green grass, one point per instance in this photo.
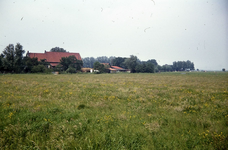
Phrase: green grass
[114,111]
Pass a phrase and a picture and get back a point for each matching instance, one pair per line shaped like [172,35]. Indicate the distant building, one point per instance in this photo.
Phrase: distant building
[118,69]
[112,69]
[87,70]
[106,65]
[53,57]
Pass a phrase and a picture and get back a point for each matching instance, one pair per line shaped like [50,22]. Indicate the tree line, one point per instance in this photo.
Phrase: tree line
[13,61]
[136,65]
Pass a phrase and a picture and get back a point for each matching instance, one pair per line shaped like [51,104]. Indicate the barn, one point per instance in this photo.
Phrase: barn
[53,57]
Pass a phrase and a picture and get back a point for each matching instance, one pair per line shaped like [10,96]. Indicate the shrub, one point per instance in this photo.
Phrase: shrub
[38,68]
[71,70]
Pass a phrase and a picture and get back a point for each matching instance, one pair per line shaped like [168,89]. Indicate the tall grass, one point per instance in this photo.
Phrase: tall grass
[114,111]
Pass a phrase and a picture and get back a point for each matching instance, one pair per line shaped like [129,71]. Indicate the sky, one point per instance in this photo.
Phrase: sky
[165,30]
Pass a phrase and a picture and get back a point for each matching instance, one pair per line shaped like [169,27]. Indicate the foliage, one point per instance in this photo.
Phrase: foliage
[89,61]
[99,66]
[183,65]
[136,65]
[223,69]
[70,61]
[119,61]
[1,63]
[30,63]
[44,62]
[71,70]
[9,56]
[12,58]
[166,68]
[57,49]
[114,111]
[145,68]
[34,66]
[19,66]
[38,68]
[153,61]
[131,63]
[58,68]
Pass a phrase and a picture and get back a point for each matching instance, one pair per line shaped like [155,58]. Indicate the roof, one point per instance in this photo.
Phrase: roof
[105,63]
[116,67]
[112,69]
[54,64]
[53,56]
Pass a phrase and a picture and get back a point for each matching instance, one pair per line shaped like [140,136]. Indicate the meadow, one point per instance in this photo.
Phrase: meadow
[114,111]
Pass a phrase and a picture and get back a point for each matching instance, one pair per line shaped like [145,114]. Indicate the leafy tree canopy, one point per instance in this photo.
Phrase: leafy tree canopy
[131,63]
[12,58]
[72,62]
[57,49]
[89,61]
[153,61]
[99,66]
[119,61]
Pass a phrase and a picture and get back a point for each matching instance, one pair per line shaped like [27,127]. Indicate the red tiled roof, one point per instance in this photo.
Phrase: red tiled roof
[112,69]
[116,67]
[53,56]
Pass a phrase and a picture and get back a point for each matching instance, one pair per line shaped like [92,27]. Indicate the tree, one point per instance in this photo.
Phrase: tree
[58,68]
[8,61]
[79,65]
[183,65]
[72,62]
[99,66]
[158,68]
[131,63]
[44,62]
[223,69]
[65,63]
[149,67]
[111,58]
[153,61]
[1,62]
[103,59]
[19,65]
[71,70]
[30,63]
[145,67]
[86,62]
[138,68]
[38,68]
[13,58]
[57,49]
[89,61]
[119,61]
[92,61]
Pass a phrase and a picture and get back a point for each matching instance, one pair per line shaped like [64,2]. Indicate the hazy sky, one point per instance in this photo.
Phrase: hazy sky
[165,30]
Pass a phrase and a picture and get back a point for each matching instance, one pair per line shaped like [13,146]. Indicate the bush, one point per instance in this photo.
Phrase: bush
[49,71]
[58,68]
[71,70]
[38,68]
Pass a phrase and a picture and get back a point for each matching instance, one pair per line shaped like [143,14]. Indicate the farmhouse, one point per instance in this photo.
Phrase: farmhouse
[53,57]
[87,70]
[114,69]
[118,69]
[106,65]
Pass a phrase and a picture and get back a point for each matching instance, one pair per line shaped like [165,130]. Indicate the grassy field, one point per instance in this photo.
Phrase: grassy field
[114,111]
